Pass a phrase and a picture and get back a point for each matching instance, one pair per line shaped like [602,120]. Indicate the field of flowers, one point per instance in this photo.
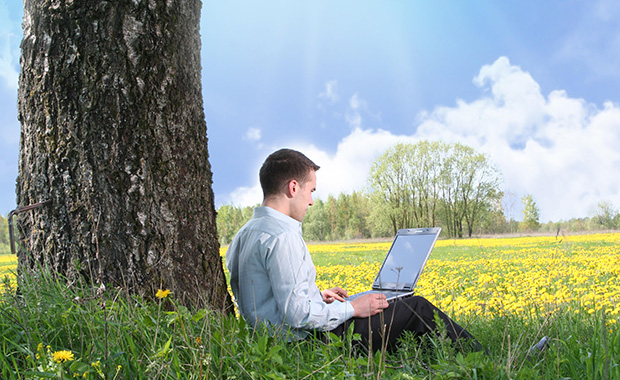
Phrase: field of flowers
[8,265]
[484,277]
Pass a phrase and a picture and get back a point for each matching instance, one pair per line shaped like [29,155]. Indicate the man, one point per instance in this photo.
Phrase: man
[273,278]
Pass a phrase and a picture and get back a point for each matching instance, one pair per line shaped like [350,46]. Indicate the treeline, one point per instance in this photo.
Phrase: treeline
[5,247]
[421,185]
[350,216]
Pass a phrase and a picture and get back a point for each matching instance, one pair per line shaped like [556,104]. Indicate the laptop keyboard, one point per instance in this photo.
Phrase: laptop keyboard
[388,294]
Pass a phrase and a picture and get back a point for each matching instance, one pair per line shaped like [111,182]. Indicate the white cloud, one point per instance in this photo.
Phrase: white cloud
[562,150]
[353,115]
[245,196]
[253,134]
[347,170]
[331,92]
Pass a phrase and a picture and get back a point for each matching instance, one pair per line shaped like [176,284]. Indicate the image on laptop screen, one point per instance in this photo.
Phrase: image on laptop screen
[404,261]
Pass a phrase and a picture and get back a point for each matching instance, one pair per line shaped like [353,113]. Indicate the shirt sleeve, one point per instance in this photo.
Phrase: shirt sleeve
[292,276]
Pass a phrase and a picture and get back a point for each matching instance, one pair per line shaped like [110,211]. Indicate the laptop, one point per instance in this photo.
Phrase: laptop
[403,263]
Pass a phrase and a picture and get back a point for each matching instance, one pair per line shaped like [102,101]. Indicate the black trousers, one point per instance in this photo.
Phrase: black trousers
[415,314]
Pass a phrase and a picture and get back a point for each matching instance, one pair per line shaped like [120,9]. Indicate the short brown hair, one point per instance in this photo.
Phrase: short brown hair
[282,166]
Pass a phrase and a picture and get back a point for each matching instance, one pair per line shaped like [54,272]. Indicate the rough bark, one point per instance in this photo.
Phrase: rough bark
[114,134]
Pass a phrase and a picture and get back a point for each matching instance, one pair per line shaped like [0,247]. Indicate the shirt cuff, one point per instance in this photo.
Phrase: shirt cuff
[348,310]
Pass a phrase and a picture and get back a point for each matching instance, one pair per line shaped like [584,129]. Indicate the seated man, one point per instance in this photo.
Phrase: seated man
[273,278]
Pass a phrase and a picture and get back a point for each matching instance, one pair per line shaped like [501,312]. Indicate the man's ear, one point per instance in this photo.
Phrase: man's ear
[292,188]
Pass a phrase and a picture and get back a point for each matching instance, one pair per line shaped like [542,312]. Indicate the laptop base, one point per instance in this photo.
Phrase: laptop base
[390,295]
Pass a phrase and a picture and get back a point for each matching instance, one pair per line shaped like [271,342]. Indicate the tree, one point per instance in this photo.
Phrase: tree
[399,182]
[113,133]
[604,215]
[316,225]
[431,183]
[469,185]
[4,236]
[531,214]
[480,190]
[230,219]
[493,219]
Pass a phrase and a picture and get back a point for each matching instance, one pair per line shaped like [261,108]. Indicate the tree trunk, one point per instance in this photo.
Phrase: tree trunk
[114,134]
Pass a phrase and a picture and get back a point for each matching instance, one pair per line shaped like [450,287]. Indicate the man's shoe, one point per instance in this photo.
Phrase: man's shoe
[537,348]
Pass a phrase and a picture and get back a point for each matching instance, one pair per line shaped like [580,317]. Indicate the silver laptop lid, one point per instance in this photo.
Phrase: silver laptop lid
[406,258]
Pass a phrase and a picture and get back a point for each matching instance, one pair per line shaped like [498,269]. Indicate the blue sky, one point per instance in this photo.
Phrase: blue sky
[532,84]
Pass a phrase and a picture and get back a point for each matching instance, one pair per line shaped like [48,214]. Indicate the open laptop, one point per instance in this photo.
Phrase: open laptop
[403,263]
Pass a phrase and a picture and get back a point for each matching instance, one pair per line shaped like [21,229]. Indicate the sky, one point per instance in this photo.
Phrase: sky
[531,84]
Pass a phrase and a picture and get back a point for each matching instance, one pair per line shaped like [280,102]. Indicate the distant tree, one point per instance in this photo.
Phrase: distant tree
[4,236]
[331,215]
[230,219]
[359,204]
[492,219]
[113,133]
[604,215]
[469,184]
[345,217]
[316,225]
[4,230]
[531,214]
[378,221]
[414,184]
[404,186]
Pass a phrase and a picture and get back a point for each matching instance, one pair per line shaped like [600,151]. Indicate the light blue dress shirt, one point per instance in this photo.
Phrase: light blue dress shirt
[273,278]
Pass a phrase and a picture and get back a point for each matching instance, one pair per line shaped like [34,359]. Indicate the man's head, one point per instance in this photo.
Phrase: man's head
[281,167]
[291,175]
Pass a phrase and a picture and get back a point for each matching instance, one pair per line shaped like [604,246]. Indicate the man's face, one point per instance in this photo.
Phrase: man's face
[303,197]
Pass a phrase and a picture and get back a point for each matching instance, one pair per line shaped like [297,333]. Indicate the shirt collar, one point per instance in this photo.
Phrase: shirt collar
[268,211]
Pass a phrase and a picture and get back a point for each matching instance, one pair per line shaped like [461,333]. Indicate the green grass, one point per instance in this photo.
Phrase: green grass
[113,335]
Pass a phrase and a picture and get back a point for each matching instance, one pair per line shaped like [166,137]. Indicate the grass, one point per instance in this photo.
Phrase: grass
[113,335]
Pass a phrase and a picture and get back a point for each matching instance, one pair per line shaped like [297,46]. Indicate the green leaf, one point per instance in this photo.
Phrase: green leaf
[165,350]
[200,315]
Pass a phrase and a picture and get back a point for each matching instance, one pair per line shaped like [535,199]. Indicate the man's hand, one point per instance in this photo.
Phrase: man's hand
[369,304]
[329,295]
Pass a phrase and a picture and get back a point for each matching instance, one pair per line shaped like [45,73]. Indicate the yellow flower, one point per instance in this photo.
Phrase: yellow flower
[162,293]
[62,356]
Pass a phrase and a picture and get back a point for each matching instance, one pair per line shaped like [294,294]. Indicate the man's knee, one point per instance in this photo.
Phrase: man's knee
[418,301]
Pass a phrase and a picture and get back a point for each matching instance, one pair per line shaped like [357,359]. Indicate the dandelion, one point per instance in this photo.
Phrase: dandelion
[162,293]
[62,356]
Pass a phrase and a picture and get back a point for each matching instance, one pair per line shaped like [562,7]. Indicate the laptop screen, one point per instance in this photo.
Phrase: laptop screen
[406,259]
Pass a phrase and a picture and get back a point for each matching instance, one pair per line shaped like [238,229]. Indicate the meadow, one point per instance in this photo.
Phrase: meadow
[509,292]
